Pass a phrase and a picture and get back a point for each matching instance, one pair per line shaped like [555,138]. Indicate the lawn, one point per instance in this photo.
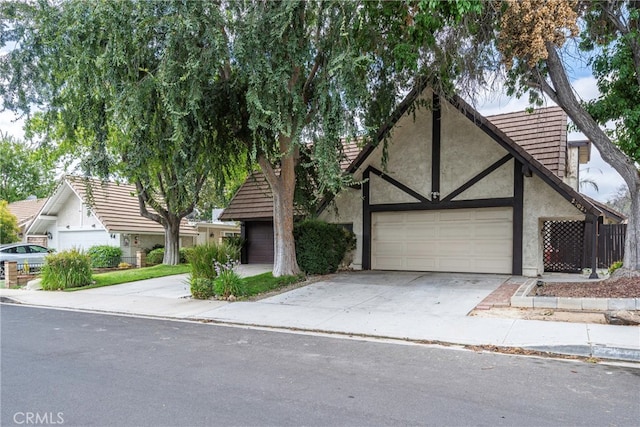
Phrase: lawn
[131,275]
[265,282]
[254,285]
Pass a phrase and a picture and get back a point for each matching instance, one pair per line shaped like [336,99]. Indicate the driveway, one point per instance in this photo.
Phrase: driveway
[439,294]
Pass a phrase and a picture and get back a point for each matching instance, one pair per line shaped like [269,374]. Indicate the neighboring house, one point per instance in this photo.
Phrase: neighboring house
[460,193]
[102,213]
[215,231]
[25,211]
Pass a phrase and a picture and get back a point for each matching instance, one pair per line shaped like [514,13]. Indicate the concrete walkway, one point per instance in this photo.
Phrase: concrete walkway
[430,307]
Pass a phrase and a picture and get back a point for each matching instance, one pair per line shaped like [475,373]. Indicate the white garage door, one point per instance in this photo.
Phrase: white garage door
[456,240]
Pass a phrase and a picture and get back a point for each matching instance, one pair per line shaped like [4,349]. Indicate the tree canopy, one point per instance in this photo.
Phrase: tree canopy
[138,85]
[532,35]
[8,224]
[24,171]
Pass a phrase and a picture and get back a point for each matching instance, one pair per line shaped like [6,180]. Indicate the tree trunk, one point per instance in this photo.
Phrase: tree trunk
[562,94]
[282,187]
[172,241]
[631,259]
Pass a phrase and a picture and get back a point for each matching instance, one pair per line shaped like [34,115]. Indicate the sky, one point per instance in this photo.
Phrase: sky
[606,178]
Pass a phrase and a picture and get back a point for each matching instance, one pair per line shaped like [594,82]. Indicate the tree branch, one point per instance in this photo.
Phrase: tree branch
[569,103]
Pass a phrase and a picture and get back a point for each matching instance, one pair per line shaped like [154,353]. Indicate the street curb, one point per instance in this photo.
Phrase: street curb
[594,350]
[522,299]
[578,351]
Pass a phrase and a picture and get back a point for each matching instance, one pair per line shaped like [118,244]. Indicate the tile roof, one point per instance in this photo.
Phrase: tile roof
[543,133]
[26,210]
[115,205]
[254,200]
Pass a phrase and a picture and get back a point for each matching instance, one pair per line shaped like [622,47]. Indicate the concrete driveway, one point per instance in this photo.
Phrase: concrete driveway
[439,294]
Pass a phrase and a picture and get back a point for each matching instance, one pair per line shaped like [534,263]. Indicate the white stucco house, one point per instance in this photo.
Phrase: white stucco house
[107,214]
[460,193]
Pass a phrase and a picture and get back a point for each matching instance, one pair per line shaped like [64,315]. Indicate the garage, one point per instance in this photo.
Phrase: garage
[478,240]
[259,238]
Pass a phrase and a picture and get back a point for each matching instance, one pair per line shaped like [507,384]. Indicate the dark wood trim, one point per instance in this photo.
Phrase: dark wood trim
[243,249]
[366,223]
[396,184]
[518,218]
[572,196]
[477,178]
[436,121]
[458,204]
[596,221]
[382,132]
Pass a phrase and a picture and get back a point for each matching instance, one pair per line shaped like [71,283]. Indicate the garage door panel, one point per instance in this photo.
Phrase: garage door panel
[460,240]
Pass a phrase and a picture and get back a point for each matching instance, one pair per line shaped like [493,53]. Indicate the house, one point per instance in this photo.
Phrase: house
[215,231]
[25,211]
[460,193]
[86,212]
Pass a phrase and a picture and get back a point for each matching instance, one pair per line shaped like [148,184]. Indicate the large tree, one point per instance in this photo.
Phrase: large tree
[24,171]
[532,34]
[317,72]
[138,84]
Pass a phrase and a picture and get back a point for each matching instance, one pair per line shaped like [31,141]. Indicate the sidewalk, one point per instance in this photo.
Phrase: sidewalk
[370,305]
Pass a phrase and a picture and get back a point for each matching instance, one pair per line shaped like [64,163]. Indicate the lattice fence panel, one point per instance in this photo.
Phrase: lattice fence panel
[563,246]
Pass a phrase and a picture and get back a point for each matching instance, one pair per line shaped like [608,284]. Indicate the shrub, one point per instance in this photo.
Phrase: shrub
[154,247]
[67,269]
[104,256]
[184,254]
[124,265]
[202,288]
[320,246]
[155,256]
[616,265]
[228,282]
[202,258]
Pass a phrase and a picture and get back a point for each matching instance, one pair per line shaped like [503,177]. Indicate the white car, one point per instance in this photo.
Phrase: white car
[22,253]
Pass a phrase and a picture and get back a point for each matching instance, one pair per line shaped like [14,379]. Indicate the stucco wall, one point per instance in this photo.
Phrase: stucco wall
[541,203]
[465,152]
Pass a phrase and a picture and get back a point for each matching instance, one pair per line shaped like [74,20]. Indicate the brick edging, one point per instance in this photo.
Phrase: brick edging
[521,299]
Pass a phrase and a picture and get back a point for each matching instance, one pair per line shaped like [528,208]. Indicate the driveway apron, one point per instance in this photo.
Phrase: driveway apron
[438,294]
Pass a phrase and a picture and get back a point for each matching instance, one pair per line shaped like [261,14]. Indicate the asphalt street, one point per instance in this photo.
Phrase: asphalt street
[81,369]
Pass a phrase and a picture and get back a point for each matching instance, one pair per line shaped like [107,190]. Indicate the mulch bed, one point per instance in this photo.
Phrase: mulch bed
[624,287]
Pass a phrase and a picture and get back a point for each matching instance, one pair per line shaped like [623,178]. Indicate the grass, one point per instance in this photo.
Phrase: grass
[125,276]
[265,282]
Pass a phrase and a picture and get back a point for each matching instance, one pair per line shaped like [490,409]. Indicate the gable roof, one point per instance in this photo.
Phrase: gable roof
[26,210]
[114,205]
[253,208]
[253,200]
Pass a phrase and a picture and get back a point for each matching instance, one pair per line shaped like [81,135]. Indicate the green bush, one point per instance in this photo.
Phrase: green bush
[320,246]
[103,256]
[202,288]
[155,256]
[616,265]
[202,258]
[184,254]
[67,269]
